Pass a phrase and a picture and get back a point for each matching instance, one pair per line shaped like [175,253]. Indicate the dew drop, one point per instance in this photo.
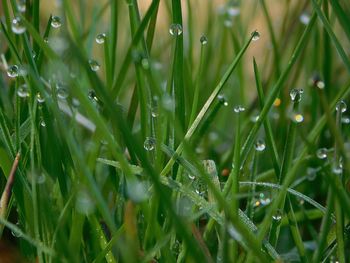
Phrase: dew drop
[137,191]
[149,144]
[298,118]
[175,29]
[264,199]
[277,102]
[233,11]
[238,109]
[42,122]
[23,91]
[62,91]
[222,100]
[191,176]
[255,36]
[18,26]
[94,65]
[16,233]
[345,120]
[203,40]
[92,95]
[321,153]
[341,106]
[39,98]
[260,145]
[278,216]
[100,38]
[13,71]
[46,39]
[21,6]
[56,21]
[228,23]
[304,18]
[311,173]
[84,203]
[295,94]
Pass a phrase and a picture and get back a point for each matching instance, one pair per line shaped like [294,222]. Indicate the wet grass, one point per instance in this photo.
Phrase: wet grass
[175,144]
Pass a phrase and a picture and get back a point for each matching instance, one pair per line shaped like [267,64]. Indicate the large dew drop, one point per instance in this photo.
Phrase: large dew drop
[321,153]
[255,36]
[23,91]
[94,65]
[295,94]
[149,144]
[18,26]
[56,21]
[260,145]
[175,29]
[298,118]
[341,106]
[100,38]
[39,98]
[203,40]
[13,71]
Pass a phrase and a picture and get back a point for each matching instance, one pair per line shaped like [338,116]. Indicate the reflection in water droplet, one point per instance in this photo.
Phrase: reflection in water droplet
[341,106]
[295,94]
[100,38]
[12,71]
[149,144]
[321,153]
[175,29]
[260,145]
[255,36]
[62,91]
[94,65]
[18,26]
[42,122]
[203,40]
[56,22]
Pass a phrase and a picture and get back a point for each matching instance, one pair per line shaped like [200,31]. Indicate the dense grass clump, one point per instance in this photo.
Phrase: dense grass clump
[174,131]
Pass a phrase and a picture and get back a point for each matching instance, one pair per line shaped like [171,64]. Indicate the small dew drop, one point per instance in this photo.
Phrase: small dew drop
[233,11]
[260,145]
[149,144]
[94,65]
[16,233]
[255,36]
[62,92]
[13,71]
[298,118]
[203,40]
[304,18]
[92,95]
[21,6]
[191,176]
[295,94]
[238,109]
[56,21]
[100,38]
[42,122]
[264,199]
[39,98]
[321,153]
[278,216]
[23,91]
[345,120]
[175,29]
[311,173]
[18,26]
[228,23]
[341,106]
[222,100]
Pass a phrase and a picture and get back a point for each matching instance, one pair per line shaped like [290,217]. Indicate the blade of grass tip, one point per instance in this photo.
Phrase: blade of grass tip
[332,35]
[178,67]
[118,83]
[208,103]
[273,39]
[271,144]
[277,88]
[342,17]
[114,33]
[5,197]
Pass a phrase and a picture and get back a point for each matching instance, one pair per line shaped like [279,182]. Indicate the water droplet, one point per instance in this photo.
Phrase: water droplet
[260,145]
[56,21]
[13,71]
[23,91]
[345,120]
[222,100]
[191,176]
[168,102]
[18,26]
[295,94]
[62,92]
[278,216]
[33,54]
[228,23]
[92,95]
[322,153]
[277,102]
[238,109]
[154,111]
[46,39]
[149,144]
[311,173]
[16,233]
[298,118]
[94,65]
[264,199]
[42,122]
[175,29]
[341,106]
[21,6]
[137,191]
[39,98]
[304,18]
[203,40]
[233,11]
[84,203]
[337,167]
[100,38]
[255,36]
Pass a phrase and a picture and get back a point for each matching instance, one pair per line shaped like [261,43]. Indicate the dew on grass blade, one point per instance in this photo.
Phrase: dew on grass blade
[311,173]
[56,21]
[21,6]
[222,100]
[42,122]
[304,18]
[175,29]
[23,91]
[18,26]
[16,233]
[13,71]
[233,11]
[84,202]
[94,65]
[149,144]
[341,106]
[39,98]
[298,118]
[137,191]
[260,145]
[345,120]
[278,216]
[203,40]
[62,92]
[100,38]
[92,95]
[145,63]
[322,153]
[255,36]
[238,109]
[264,199]
[295,94]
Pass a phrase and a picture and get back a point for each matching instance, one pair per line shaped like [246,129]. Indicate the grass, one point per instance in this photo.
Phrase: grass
[184,142]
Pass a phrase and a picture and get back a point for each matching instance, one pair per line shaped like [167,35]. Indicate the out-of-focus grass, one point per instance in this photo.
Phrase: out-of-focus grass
[147,143]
